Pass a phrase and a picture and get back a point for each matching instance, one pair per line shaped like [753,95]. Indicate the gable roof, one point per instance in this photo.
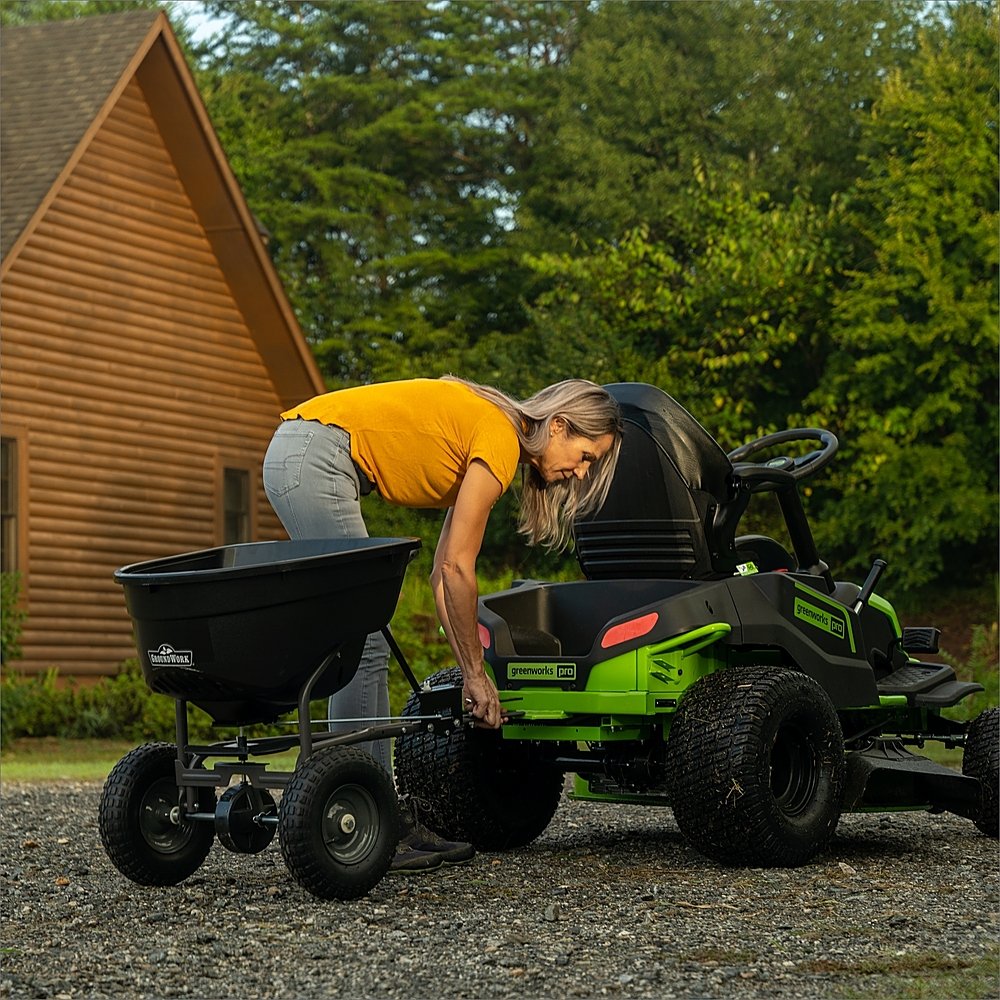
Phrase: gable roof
[59,81]
[54,80]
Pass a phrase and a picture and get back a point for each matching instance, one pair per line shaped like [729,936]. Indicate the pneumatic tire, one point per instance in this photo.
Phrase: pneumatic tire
[142,823]
[339,823]
[757,765]
[471,785]
[981,760]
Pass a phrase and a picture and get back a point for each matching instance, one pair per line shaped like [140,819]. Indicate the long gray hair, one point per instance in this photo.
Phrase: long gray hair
[548,510]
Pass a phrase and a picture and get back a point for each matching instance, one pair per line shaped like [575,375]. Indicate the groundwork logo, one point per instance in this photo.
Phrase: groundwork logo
[167,656]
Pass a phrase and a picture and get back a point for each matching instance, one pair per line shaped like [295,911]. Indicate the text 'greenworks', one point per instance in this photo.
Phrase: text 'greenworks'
[812,615]
[541,672]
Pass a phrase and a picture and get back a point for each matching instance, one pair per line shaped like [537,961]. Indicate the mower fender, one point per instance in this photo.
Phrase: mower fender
[818,634]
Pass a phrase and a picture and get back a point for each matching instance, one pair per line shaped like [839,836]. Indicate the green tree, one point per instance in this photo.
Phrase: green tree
[733,324]
[372,140]
[770,92]
[14,12]
[912,383]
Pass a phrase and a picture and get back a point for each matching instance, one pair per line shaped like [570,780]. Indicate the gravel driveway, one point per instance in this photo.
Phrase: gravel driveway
[609,901]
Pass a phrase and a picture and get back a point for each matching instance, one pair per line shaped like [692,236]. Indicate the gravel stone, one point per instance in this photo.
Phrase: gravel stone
[609,901]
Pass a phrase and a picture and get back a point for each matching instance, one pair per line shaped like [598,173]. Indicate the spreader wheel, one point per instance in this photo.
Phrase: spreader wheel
[239,819]
[143,818]
[757,765]
[982,760]
[339,823]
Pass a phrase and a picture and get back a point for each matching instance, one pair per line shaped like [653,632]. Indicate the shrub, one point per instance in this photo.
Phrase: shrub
[983,667]
[119,707]
[32,706]
[11,617]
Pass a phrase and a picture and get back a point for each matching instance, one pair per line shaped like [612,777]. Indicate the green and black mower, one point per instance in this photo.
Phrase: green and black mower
[719,674]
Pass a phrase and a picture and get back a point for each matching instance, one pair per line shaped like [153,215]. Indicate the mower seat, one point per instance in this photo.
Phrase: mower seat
[674,501]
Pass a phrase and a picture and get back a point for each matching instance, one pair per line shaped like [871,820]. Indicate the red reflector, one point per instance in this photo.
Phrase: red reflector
[629,630]
[484,636]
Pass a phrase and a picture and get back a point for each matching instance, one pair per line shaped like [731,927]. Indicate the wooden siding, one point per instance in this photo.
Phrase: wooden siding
[135,374]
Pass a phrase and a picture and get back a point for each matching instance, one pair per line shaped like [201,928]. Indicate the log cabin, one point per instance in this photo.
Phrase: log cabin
[147,344]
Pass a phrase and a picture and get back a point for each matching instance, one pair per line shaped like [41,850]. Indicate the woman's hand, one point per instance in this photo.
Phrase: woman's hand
[456,594]
[483,702]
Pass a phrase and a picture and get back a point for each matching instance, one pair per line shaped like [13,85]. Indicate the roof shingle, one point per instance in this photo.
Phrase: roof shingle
[54,79]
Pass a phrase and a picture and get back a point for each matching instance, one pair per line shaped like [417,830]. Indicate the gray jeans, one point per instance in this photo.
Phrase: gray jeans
[315,489]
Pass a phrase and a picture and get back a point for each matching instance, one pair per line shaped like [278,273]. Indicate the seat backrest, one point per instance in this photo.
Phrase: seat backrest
[665,513]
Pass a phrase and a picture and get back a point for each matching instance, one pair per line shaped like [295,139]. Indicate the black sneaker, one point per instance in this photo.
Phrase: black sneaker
[410,861]
[418,837]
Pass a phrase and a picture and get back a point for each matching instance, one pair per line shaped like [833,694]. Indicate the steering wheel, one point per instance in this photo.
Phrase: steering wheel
[800,468]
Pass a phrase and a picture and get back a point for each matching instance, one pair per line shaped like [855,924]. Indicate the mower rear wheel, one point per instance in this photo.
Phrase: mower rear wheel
[981,760]
[471,785]
[757,763]
[339,823]
[142,818]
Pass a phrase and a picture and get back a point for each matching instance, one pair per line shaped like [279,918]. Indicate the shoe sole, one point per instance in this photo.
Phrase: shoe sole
[415,871]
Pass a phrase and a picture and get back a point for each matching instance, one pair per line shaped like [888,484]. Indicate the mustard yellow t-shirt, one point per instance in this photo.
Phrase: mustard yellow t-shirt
[415,439]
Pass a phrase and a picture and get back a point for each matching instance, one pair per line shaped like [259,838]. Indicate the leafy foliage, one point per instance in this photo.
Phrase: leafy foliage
[371,139]
[781,212]
[911,379]
[771,93]
[717,316]
[12,617]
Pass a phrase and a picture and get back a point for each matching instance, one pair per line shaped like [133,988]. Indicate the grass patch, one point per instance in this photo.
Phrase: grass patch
[938,753]
[53,759]
[920,976]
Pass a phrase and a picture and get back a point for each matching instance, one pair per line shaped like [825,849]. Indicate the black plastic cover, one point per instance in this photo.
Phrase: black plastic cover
[664,515]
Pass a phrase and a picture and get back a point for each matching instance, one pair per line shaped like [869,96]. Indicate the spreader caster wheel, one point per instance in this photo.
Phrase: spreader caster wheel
[339,823]
[145,826]
[246,819]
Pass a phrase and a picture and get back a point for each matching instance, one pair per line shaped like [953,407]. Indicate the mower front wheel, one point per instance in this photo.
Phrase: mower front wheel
[757,763]
[981,760]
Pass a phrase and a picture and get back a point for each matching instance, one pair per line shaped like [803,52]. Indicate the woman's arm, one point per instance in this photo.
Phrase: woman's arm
[456,592]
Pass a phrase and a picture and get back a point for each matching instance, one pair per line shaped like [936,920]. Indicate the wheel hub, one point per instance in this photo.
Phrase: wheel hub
[350,823]
[794,770]
[161,819]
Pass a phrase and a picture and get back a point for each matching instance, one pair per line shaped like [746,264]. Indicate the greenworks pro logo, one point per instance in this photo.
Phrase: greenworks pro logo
[541,672]
[819,618]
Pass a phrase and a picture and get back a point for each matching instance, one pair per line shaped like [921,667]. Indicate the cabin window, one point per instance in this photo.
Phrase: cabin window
[8,505]
[235,506]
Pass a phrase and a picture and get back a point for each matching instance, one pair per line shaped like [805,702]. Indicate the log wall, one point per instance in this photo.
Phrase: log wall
[130,380]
